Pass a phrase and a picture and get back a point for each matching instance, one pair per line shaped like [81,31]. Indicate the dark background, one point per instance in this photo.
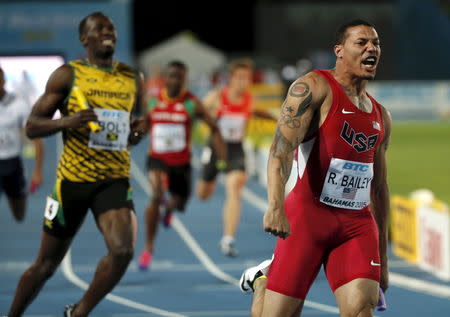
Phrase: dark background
[225,25]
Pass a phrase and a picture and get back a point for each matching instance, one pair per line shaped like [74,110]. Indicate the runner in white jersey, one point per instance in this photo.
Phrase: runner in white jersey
[14,112]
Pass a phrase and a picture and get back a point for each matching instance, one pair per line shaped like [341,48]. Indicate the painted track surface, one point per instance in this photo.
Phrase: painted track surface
[178,284]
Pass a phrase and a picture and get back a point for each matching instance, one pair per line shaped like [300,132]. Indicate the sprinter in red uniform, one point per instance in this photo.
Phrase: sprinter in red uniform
[169,121]
[232,106]
[336,215]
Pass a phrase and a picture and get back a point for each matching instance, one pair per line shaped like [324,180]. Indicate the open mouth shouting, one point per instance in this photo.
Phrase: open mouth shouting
[370,63]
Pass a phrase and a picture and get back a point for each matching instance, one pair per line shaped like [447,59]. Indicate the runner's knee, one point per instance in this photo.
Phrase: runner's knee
[120,240]
[157,196]
[357,306]
[256,311]
[44,268]
[122,251]
[204,191]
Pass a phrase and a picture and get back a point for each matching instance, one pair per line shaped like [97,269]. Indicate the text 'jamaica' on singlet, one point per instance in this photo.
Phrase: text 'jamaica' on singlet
[111,92]
[335,166]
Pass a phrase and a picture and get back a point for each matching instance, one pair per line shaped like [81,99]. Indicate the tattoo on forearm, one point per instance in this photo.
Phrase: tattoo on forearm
[281,149]
[290,122]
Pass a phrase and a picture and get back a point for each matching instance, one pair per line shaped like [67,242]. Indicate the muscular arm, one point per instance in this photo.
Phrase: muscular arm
[380,196]
[40,122]
[216,137]
[303,99]
[211,103]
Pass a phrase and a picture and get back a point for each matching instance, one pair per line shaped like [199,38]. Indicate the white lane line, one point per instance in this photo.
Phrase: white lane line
[419,285]
[198,251]
[66,267]
[200,254]
[67,270]
[396,279]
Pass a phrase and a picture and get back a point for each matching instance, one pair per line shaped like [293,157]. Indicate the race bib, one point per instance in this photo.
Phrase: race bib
[347,184]
[232,127]
[51,208]
[168,137]
[115,127]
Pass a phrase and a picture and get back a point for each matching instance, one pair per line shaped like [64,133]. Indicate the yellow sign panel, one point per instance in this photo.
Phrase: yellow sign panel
[267,97]
[404,228]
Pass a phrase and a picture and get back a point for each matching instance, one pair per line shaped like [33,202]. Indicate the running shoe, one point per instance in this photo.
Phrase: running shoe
[144,260]
[68,310]
[250,275]
[227,247]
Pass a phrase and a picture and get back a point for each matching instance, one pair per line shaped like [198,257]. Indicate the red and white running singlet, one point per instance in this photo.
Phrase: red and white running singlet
[336,165]
[170,127]
[233,118]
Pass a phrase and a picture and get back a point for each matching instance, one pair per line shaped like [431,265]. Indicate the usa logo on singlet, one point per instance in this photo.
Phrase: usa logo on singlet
[358,140]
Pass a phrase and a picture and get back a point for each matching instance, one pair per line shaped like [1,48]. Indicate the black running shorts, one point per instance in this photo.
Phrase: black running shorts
[179,176]
[235,160]
[12,179]
[68,204]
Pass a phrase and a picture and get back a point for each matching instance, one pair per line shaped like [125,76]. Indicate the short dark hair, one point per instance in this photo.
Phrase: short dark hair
[341,32]
[82,25]
[177,64]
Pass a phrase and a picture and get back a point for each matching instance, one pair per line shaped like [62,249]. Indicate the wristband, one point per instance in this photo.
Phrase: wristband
[221,165]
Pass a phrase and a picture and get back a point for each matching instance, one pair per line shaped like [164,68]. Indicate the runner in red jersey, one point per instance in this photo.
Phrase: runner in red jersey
[336,215]
[232,106]
[169,121]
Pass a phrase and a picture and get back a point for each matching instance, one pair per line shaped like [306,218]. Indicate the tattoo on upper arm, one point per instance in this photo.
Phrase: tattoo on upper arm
[281,149]
[304,105]
[299,89]
[288,117]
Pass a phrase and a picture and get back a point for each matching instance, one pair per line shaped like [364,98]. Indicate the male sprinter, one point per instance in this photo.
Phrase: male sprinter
[232,106]
[14,112]
[169,121]
[336,215]
[93,171]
